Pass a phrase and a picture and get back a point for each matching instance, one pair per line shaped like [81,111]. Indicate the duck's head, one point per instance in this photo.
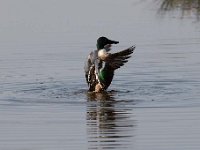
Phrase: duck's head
[103,41]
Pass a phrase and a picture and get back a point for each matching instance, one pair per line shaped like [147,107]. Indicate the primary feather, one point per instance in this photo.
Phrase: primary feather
[116,60]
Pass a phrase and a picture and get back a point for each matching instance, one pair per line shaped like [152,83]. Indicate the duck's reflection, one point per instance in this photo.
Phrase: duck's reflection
[110,126]
[186,6]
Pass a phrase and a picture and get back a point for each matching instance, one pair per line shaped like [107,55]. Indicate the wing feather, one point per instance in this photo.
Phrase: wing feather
[116,60]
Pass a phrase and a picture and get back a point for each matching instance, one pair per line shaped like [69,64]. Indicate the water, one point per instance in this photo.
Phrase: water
[153,102]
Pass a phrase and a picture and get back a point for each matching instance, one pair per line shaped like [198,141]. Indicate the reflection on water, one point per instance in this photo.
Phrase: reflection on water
[186,6]
[108,126]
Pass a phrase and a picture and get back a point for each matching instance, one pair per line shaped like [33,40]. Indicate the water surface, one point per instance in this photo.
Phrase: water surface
[153,102]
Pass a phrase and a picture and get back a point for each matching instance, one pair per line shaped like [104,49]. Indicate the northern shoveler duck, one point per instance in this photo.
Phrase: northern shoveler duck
[100,65]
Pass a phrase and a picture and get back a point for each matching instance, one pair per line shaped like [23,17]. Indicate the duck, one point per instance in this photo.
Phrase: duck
[100,64]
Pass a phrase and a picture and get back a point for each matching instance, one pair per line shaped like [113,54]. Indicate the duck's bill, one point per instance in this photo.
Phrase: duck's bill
[113,42]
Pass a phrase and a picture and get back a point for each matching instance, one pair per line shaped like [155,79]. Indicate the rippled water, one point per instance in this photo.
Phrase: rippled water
[153,102]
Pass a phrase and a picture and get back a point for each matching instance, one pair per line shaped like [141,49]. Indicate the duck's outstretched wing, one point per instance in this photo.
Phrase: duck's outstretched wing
[116,60]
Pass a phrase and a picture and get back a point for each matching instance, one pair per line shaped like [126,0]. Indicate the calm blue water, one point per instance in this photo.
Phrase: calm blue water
[153,102]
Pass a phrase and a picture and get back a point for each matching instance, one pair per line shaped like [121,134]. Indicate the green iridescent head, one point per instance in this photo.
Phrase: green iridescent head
[102,41]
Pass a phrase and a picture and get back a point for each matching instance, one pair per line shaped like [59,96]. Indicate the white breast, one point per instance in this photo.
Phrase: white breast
[102,54]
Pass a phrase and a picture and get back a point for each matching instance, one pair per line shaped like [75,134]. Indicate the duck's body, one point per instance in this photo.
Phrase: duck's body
[100,65]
